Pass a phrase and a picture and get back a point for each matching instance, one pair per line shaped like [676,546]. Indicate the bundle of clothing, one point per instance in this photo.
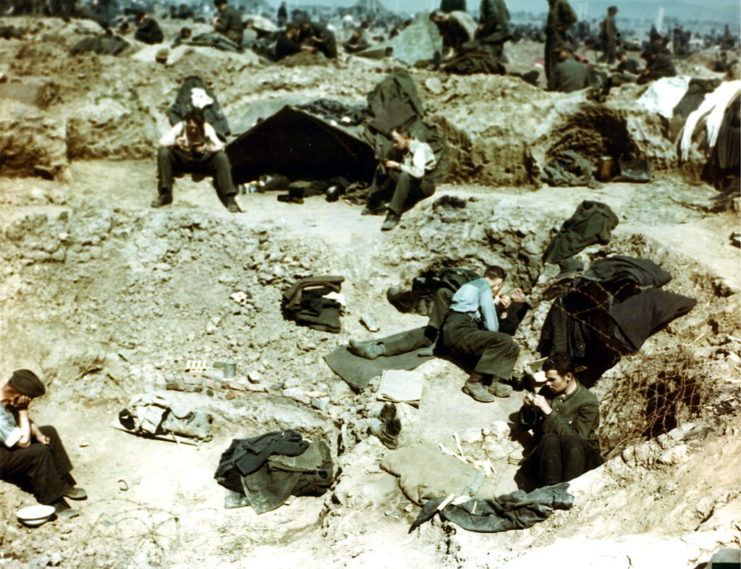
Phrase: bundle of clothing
[264,471]
[107,44]
[194,94]
[517,510]
[151,415]
[591,223]
[315,302]
[610,311]
[419,298]
[569,168]
[475,61]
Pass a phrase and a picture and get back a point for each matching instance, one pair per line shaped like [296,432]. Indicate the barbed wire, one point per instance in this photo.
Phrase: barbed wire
[642,406]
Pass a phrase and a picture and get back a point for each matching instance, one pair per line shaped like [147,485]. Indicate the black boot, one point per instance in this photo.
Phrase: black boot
[391,221]
[161,200]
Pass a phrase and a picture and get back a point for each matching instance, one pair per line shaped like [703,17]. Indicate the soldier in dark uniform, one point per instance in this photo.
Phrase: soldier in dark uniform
[570,75]
[658,64]
[560,19]
[494,27]
[228,22]
[564,416]
[147,29]
[282,15]
[320,38]
[610,36]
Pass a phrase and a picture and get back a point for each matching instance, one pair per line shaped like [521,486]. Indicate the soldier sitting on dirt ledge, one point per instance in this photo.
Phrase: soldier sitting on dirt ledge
[402,178]
[193,147]
[34,457]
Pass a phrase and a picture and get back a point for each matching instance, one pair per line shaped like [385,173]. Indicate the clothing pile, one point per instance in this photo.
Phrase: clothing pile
[517,510]
[194,94]
[591,223]
[569,168]
[472,62]
[152,415]
[424,287]
[610,311]
[102,45]
[264,471]
[315,302]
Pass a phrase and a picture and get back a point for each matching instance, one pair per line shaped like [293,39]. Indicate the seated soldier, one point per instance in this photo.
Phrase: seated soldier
[510,311]
[471,331]
[627,64]
[570,75]
[147,29]
[192,146]
[318,37]
[358,41]
[403,183]
[228,22]
[658,64]
[34,457]
[564,416]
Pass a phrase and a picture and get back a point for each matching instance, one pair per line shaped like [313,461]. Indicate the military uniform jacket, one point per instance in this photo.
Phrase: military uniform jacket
[561,15]
[573,414]
[230,25]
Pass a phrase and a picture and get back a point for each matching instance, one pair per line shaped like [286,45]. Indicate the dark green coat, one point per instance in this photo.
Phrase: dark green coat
[230,24]
[494,19]
[561,15]
[571,75]
[575,414]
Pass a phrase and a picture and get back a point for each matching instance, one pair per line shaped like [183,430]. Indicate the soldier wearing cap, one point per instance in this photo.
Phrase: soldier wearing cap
[33,457]
[228,22]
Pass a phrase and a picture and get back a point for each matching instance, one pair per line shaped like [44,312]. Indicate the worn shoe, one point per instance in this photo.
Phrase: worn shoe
[367,350]
[62,509]
[391,221]
[68,513]
[499,389]
[161,200]
[75,493]
[368,210]
[389,433]
[478,391]
[232,206]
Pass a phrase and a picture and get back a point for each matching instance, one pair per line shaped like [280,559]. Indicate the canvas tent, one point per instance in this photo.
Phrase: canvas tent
[420,41]
[300,146]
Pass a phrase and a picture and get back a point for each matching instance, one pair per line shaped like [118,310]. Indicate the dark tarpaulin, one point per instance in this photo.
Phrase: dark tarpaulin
[299,146]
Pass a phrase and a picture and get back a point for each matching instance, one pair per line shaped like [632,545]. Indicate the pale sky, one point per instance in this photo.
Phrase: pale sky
[727,11]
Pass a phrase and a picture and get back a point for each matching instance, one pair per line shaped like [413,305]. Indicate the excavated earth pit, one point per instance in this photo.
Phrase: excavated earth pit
[107,298]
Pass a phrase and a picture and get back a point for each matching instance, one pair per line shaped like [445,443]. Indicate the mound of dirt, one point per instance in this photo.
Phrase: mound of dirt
[107,298]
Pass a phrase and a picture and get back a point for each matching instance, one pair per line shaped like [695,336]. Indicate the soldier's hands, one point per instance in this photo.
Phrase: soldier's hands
[20,401]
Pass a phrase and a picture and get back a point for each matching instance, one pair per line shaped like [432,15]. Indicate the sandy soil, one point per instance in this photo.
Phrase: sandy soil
[108,298]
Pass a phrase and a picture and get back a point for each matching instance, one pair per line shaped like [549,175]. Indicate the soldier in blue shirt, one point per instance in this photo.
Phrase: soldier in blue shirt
[471,332]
